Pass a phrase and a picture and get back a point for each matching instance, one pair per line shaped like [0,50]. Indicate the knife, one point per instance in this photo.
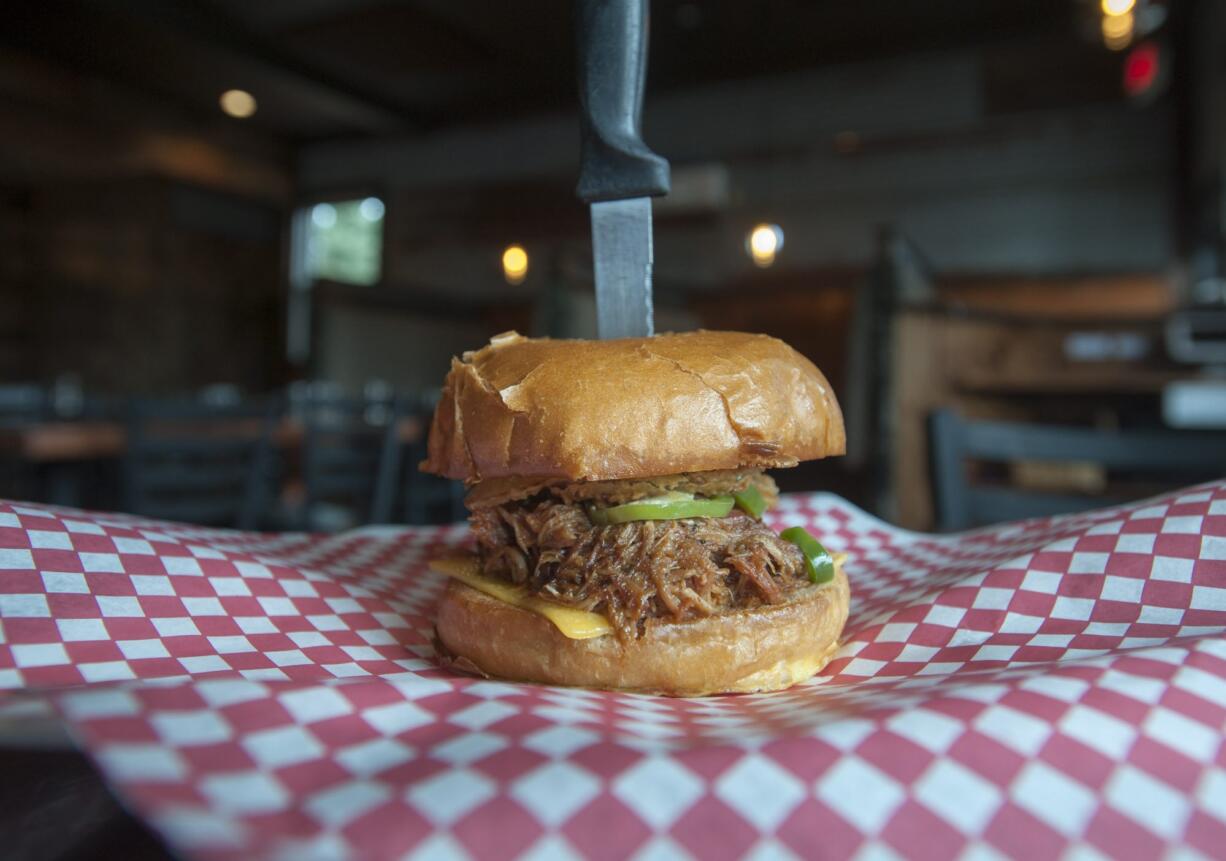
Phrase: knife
[618,174]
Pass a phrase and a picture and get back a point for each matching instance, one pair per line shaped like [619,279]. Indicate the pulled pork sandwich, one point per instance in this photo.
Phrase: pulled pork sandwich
[616,490]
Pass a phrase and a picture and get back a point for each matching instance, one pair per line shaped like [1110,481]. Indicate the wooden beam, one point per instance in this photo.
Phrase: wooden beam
[74,127]
[159,47]
[206,22]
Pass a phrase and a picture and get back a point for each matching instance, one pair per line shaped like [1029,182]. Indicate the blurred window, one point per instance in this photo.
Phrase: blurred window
[344,241]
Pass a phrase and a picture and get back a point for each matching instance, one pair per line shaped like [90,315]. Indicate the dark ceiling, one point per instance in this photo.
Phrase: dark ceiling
[347,68]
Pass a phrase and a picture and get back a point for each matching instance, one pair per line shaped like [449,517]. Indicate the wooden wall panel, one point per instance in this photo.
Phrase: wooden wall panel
[132,298]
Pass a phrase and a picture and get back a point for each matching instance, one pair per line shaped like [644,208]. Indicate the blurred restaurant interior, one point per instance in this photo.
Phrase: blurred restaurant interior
[241,241]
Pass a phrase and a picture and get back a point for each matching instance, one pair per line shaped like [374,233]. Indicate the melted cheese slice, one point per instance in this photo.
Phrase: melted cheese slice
[575,624]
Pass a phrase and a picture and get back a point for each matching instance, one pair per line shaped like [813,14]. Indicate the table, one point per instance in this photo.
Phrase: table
[66,441]
[59,447]
[1023,690]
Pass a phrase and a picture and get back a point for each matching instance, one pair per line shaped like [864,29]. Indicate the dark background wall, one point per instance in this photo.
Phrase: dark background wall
[141,286]
[935,146]
[996,135]
[141,241]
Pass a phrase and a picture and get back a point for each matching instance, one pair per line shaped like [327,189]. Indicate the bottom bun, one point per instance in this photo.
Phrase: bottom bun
[766,648]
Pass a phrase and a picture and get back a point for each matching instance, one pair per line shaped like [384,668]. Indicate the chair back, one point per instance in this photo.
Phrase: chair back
[349,449]
[21,402]
[1168,458]
[21,405]
[410,495]
[200,462]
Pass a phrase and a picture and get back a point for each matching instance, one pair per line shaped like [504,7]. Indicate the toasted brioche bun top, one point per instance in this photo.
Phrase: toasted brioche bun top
[630,408]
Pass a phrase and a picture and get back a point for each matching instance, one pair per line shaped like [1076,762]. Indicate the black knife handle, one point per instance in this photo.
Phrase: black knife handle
[615,164]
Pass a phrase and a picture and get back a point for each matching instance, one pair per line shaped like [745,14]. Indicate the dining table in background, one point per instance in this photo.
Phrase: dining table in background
[59,448]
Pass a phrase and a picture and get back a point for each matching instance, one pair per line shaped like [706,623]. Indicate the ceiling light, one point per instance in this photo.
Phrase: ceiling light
[371,209]
[515,264]
[1117,31]
[323,215]
[1118,7]
[238,103]
[764,243]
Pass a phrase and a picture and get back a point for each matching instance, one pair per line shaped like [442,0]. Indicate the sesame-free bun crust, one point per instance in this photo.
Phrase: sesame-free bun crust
[630,408]
[766,648]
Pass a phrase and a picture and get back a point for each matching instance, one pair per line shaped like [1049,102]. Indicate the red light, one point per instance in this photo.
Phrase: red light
[1141,68]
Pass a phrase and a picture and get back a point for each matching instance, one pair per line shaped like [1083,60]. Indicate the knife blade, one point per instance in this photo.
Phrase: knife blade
[622,251]
[618,173]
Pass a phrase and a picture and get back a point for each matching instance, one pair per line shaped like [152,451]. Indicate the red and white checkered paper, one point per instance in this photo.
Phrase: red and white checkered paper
[1020,691]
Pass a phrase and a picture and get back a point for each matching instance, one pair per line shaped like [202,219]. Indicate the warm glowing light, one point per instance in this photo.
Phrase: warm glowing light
[764,244]
[1117,31]
[515,264]
[1115,8]
[238,103]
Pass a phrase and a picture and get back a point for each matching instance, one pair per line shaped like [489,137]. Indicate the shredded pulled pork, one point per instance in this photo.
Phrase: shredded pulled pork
[635,572]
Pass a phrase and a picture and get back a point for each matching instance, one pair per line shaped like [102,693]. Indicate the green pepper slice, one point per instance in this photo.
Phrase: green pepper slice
[670,506]
[818,561]
[750,501]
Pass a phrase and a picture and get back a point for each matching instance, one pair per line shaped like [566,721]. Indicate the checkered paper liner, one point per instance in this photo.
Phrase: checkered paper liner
[1020,691]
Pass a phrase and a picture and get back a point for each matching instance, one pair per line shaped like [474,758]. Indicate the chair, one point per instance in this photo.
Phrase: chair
[349,449]
[201,463]
[1171,458]
[21,404]
[422,499]
[901,276]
